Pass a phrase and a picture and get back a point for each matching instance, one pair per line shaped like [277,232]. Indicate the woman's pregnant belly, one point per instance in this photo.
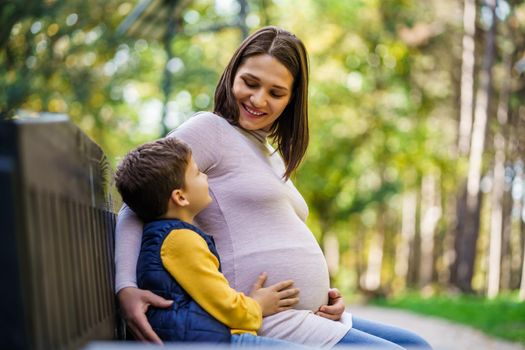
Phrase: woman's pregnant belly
[265,232]
[306,269]
[293,255]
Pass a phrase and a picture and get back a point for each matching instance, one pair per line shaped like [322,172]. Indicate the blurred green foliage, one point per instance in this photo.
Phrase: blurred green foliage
[383,95]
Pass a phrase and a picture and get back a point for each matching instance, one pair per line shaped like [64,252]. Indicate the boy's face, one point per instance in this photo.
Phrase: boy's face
[196,187]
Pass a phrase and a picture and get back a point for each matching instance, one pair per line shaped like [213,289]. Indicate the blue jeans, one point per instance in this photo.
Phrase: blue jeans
[253,341]
[366,333]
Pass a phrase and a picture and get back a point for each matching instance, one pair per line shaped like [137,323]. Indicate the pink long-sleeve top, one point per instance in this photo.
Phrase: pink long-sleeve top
[258,222]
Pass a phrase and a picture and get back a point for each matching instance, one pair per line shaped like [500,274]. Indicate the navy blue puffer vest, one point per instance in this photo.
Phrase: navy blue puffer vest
[185,320]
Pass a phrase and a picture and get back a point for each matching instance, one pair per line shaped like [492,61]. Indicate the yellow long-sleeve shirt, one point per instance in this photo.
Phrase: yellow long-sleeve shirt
[186,256]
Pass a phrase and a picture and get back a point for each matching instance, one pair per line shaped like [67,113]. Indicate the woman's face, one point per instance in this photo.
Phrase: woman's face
[262,88]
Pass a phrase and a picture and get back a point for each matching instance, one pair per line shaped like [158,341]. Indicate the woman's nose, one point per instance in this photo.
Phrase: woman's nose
[258,100]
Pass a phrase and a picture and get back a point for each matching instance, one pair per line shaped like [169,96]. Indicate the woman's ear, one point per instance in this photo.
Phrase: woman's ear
[178,197]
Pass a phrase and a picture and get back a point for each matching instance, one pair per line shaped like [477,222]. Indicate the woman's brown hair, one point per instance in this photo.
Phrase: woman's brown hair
[290,130]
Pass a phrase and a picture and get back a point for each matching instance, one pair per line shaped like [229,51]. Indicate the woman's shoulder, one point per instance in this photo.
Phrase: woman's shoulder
[206,119]
[203,132]
[201,125]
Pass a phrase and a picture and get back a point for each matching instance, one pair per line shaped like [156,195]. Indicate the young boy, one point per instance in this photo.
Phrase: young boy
[161,183]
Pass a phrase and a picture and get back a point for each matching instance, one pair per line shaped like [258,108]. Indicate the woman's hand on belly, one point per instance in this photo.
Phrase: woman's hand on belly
[335,308]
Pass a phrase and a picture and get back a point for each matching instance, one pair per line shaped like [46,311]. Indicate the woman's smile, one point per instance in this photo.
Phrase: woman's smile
[252,111]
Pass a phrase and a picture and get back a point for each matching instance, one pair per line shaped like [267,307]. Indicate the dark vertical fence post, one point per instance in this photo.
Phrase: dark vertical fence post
[57,237]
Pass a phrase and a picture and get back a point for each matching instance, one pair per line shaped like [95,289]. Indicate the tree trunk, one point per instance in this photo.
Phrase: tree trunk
[330,247]
[464,129]
[519,227]
[466,252]
[517,242]
[408,231]
[167,76]
[331,252]
[448,251]
[511,248]
[243,13]
[467,76]
[522,285]
[372,280]
[430,214]
[360,266]
[496,217]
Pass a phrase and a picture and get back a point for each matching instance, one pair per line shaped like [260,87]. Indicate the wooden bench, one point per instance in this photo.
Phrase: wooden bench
[57,249]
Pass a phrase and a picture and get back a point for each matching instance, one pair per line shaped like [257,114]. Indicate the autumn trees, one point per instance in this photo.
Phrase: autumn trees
[415,173]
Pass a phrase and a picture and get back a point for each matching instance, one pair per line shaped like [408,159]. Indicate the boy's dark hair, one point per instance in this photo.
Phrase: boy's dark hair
[147,176]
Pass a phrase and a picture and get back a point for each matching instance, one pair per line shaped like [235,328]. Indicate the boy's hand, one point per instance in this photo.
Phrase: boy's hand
[275,298]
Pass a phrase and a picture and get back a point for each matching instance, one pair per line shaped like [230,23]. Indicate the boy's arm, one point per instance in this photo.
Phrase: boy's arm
[187,258]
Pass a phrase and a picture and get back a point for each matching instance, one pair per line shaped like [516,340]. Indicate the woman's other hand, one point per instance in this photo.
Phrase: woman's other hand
[335,308]
[134,303]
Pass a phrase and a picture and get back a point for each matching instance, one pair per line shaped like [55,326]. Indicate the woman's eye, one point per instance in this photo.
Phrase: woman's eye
[249,84]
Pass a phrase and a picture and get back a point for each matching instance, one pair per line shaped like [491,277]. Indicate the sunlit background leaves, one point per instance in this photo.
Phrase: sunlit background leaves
[383,176]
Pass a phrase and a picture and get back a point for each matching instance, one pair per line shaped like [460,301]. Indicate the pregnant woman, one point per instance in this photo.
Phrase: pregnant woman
[257,216]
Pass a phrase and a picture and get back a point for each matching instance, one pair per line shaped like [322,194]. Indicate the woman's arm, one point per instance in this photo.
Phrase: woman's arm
[202,133]
[128,236]
[133,301]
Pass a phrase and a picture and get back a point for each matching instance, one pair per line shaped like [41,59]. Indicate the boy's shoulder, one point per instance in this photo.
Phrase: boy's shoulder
[182,232]
[165,227]
[189,232]
[188,240]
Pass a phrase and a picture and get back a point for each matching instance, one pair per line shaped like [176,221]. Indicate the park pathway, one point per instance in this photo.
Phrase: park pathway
[441,334]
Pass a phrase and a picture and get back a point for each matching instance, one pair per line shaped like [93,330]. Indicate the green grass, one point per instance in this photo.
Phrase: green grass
[502,317]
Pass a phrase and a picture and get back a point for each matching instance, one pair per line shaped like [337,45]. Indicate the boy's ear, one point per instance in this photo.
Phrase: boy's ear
[179,198]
